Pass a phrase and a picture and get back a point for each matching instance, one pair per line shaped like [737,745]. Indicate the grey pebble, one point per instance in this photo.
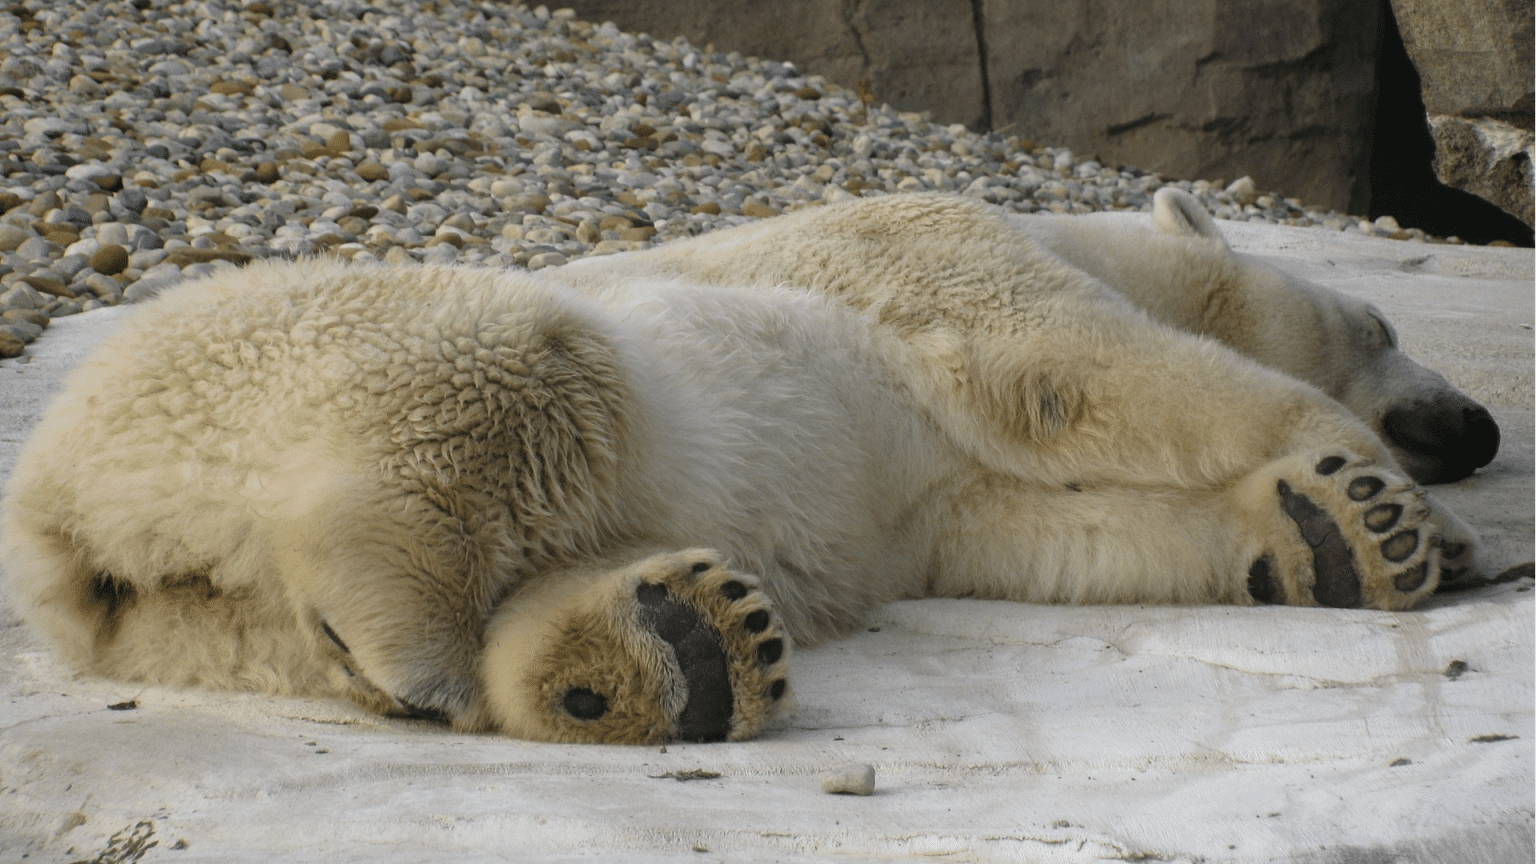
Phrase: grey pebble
[852,779]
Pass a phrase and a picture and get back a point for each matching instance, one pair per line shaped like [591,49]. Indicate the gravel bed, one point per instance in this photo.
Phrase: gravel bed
[146,142]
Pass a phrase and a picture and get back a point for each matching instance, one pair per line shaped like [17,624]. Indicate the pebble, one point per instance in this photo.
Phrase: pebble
[110,260]
[853,779]
[191,132]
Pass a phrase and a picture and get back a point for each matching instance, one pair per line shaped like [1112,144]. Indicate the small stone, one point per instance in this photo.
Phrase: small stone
[11,345]
[48,282]
[103,286]
[32,316]
[340,141]
[1243,191]
[110,259]
[266,172]
[372,171]
[852,779]
[22,296]
[12,236]
[757,209]
[25,330]
[108,233]
[133,200]
[545,259]
[186,256]
[709,207]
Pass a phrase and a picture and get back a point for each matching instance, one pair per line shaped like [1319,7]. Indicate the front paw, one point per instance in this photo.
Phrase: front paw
[673,647]
[1347,533]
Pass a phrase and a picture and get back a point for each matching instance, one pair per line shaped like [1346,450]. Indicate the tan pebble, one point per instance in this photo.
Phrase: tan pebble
[267,172]
[11,344]
[111,259]
[31,316]
[853,779]
[395,203]
[708,207]
[340,141]
[758,209]
[372,171]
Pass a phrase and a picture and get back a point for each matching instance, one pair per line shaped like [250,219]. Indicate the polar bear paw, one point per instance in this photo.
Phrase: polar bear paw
[674,647]
[1349,533]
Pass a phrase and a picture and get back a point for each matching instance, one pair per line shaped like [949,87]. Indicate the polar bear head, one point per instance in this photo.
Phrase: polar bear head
[1338,343]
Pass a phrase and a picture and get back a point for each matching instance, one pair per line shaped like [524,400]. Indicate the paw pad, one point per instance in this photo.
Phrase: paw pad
[1382,517]
[706,716]
[1262,586]
[1400,547]
[1354,534]
[1365,488]
[583,704]
[1337,582]
[1330,465]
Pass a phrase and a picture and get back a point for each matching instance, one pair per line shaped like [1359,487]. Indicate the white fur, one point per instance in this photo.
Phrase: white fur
[897,397]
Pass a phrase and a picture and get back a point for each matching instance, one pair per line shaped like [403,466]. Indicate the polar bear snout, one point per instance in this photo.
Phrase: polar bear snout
[1441,439]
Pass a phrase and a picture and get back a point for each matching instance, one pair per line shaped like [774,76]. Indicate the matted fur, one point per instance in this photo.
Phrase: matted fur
[320,478]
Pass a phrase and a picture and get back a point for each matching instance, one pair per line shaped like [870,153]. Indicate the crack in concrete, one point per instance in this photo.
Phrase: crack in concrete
[846,12]
[979,23]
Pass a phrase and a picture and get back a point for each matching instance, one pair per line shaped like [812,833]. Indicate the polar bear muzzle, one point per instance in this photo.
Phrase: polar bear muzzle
[1441,439]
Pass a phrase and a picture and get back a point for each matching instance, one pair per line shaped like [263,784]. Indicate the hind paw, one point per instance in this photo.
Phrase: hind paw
[1347,532]
[674,647]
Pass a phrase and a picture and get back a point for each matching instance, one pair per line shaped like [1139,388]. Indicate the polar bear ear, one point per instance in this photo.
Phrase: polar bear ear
[1177,212]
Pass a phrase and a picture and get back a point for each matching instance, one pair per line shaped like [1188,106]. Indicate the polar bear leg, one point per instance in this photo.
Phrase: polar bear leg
[396,595]
[1318,528]
[670,646]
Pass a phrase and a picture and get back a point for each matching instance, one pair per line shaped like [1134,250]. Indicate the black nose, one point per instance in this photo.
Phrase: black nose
[1443,439]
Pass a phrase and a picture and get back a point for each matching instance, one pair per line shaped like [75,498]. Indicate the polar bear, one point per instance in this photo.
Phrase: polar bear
[603,502]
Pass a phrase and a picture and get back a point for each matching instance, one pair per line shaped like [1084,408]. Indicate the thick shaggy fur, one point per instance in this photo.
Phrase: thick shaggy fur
[596,503]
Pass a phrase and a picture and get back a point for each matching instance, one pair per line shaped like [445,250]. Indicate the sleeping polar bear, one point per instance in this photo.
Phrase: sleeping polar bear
[600,503]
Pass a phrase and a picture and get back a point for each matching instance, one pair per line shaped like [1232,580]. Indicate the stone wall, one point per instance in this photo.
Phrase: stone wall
[1280,90]
[1474,59]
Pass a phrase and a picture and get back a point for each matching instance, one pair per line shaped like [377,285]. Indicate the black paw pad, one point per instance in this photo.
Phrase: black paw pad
[1452,550]
[583,704]
[1382,517]
[776,690]
[1336,582]
[1399,547]
[733,590]
[1262,586]
[700,567]
[756,622]
[1365,488]
[1330,465]
[1413,578]
[707,714]
[769,652]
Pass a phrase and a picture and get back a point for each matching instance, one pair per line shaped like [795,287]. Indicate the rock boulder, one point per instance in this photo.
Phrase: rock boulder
[1277,89]
[1474,60]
